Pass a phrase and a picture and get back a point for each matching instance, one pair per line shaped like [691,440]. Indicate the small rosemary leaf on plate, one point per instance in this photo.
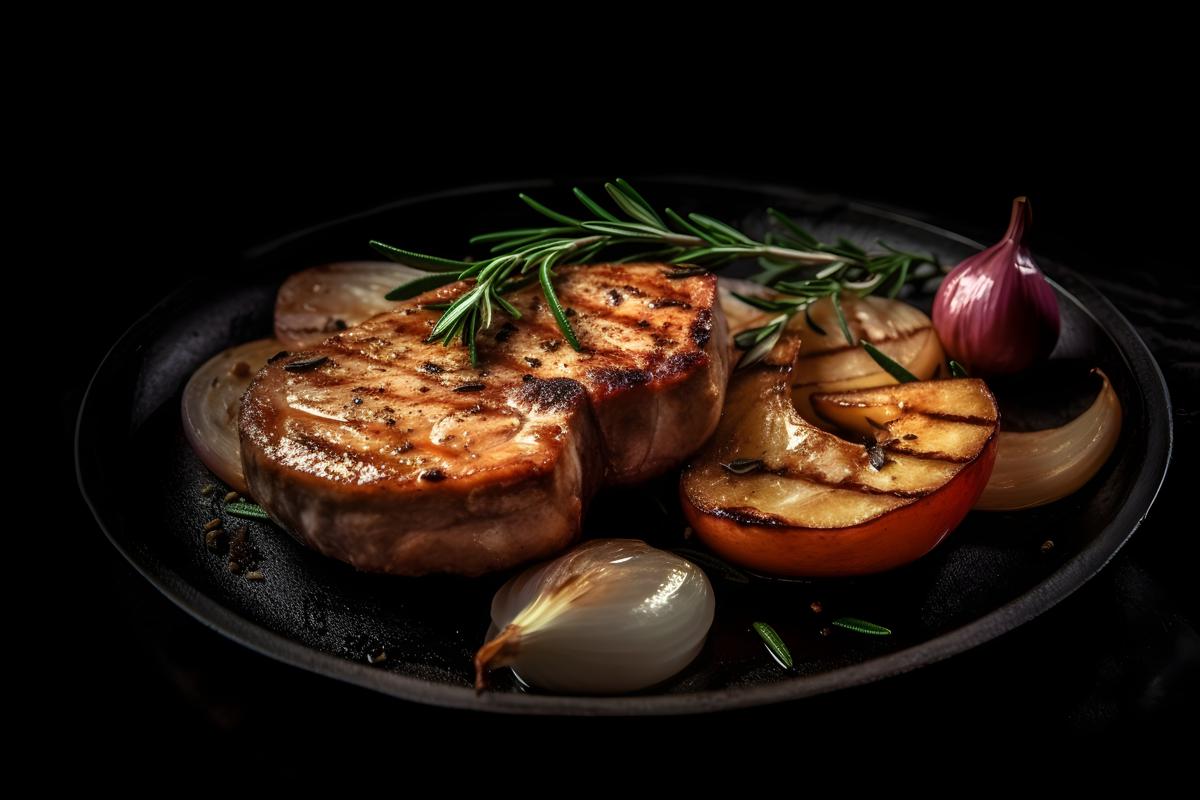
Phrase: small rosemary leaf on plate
[712,565]
[420,285]
[957,370]
[775,645]
[247,511]
[744,466]
[861,626]
[891,367]
[419,260]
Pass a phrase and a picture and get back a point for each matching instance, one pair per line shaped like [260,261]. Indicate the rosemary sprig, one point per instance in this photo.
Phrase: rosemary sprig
[699,241]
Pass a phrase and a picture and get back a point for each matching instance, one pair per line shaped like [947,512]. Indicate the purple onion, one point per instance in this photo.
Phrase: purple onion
[995,312]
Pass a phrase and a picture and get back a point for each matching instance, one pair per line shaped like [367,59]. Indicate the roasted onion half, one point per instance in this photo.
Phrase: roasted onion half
[1036,468]
[827,362]
[211,401]
[316,303]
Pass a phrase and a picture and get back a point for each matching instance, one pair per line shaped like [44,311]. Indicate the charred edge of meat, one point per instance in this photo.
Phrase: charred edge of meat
[617,379]
[506,330]
[702,328]
[551,394]
[682,362]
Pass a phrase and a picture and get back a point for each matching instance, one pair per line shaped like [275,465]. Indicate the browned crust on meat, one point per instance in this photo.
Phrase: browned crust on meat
[397,455]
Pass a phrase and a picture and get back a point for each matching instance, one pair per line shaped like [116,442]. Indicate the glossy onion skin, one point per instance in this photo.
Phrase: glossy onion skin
[1040,467]
[316,303]
[995,312]
[210,406]
[631,616]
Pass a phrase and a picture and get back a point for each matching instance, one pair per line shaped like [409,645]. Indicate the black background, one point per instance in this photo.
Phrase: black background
[172,193]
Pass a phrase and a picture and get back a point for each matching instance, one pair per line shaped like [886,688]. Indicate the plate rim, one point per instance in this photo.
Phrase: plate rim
[1040,598]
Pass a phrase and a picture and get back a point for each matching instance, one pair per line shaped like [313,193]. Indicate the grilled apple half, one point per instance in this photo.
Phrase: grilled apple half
[777,494]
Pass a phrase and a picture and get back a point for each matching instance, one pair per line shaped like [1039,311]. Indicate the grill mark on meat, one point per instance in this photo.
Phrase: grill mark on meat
[668,302]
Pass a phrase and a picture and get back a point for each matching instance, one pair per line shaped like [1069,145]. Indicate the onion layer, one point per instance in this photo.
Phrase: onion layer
[211,401]
[826,362]
[316,303]
[612,615]
[1036,468]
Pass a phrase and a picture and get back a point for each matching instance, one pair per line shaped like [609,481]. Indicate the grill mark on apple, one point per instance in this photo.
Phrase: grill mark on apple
[927,455]
[848,485]
[966,420]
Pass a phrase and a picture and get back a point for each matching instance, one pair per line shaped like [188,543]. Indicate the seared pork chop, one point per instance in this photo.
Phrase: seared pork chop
[398,456]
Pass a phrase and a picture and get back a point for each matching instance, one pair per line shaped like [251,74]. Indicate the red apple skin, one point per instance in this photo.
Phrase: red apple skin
[890,540]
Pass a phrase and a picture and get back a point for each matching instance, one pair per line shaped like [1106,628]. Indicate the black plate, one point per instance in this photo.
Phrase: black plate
[991,575]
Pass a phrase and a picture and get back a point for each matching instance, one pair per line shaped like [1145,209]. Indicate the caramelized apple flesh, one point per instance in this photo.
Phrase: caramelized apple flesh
[773,492]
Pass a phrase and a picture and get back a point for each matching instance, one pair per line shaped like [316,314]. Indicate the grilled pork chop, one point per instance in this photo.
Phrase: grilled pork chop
[398,456]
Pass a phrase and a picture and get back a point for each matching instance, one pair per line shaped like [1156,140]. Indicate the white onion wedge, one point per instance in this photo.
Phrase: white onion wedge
[316,303]
[211,401]
[612,615]
[1036,468]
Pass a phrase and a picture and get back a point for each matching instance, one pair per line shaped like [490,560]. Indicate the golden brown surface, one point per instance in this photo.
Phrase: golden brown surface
[819,504]
[399,456]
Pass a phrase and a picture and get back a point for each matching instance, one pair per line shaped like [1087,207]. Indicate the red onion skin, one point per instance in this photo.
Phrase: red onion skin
[995,312]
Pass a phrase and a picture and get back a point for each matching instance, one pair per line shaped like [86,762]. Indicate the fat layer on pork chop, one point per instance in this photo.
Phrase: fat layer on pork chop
[397,455]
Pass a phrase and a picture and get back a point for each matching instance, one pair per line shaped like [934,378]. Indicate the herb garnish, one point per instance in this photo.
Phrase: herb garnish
[861,626]
[247,511]
[891,367]
[521,256]
[744,466]
[775,645]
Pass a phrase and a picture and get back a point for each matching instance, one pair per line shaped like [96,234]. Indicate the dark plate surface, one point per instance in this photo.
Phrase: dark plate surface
[991,575]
